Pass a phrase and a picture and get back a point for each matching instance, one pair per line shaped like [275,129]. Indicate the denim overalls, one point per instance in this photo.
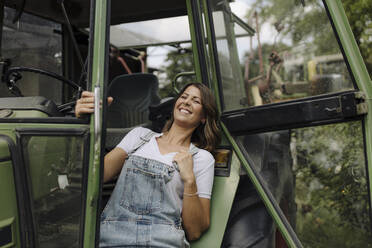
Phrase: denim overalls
[141,212]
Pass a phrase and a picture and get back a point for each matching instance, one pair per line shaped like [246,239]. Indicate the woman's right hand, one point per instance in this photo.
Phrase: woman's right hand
[85,105]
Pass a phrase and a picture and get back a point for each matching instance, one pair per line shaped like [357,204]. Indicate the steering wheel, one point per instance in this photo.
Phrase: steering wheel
[12,75]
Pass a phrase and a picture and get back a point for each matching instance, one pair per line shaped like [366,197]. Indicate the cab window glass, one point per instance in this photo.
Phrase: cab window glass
[55,165]
[318,177]
[231,77]
[37,43]
[161,47]
[145,58]
[293,54]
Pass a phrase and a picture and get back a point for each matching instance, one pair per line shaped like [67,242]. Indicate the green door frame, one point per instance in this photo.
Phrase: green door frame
[96,78]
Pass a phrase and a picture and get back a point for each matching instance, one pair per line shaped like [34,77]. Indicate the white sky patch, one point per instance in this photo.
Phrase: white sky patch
[167,29]
[240,8]
[243,47]
[157,55]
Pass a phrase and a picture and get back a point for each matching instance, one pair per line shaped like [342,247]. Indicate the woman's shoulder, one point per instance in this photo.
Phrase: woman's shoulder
[141,131]
[136,133]
[131,139]
[203,164]
[204,156]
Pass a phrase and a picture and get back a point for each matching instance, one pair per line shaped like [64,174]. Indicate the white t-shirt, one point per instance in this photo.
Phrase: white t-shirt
[203,162]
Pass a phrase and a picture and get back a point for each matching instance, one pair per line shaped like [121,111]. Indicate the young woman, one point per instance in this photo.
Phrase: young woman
[165,180]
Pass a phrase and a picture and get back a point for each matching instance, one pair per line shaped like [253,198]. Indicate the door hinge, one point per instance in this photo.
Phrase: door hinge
[352,103]
[361,104]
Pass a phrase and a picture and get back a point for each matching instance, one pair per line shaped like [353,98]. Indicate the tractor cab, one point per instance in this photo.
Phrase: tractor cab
[293,168]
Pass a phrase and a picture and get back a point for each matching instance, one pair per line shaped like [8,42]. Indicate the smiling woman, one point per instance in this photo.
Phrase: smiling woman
[166,179]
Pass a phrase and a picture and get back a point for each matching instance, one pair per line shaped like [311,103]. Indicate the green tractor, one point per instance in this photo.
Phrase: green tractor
[293,168]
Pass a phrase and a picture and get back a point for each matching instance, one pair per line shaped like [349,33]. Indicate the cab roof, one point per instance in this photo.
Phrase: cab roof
[121,11]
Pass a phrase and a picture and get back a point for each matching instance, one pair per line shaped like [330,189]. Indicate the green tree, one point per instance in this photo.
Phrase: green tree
[180,60]
[297,24]
[300,23]
[359,13]
[331,190]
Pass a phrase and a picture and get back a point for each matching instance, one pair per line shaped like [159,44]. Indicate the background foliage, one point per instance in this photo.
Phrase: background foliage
[331,186]
[359,13]
[177,61]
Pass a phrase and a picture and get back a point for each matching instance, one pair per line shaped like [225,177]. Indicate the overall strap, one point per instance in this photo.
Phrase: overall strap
[143,140]
[193,151]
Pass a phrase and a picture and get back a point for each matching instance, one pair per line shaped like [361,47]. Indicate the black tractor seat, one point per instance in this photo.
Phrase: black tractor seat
[133,95]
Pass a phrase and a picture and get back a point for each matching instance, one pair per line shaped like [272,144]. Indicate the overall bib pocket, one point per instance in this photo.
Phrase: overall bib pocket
[143,191]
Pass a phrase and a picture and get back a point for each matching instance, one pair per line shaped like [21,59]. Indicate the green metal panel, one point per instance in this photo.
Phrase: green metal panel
[27,114]
[8,206]
[50,152]
[224,189]
[4,150]
[9,128]
[358,69]
[98,68]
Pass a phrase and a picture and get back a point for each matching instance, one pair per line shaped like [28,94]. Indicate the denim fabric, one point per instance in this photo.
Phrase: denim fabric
[141,211]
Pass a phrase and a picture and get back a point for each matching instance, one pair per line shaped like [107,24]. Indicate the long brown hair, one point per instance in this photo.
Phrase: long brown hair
[206,135]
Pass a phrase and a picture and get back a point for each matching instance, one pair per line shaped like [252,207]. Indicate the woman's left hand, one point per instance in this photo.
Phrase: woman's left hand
[185,165]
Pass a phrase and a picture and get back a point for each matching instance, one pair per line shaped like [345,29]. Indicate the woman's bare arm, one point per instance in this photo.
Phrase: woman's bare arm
[113,163]
[195,212]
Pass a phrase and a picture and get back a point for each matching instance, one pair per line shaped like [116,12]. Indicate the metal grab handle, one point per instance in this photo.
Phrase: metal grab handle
[97,113]
[181,74]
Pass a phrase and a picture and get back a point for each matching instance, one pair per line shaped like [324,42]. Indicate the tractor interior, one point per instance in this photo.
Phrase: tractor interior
[45,61]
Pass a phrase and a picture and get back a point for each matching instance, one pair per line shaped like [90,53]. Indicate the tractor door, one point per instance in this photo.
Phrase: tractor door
[49,160]
[295,112]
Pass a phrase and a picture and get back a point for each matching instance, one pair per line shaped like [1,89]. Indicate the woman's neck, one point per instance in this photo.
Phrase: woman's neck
[178,136]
